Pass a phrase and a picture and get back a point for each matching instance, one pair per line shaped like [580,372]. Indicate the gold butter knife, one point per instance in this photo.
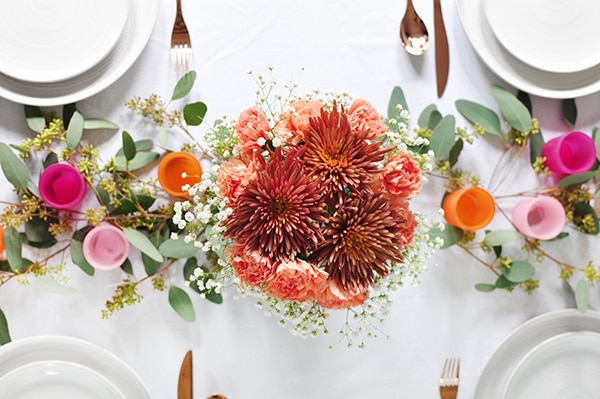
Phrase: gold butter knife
[185,387]
[442,56]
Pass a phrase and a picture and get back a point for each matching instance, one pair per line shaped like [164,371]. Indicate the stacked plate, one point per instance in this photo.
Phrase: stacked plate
[55,52]
[543,47]
[67,368]
[556,355]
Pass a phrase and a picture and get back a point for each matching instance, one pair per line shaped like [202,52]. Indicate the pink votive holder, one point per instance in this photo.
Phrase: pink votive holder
[570,154]
[539,217]
[62,186]
[105,247]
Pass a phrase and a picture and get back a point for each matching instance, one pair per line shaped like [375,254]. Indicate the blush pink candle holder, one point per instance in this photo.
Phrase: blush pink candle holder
[470,208]
[105,247]
[62,186]
[540,217]
[570,154]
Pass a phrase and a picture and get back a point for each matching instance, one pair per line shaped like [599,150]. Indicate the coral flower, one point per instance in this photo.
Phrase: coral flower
[252,267]
[279,211]
[233,177]
[296,280]
[359,240]
[364,117]
[251,126]
[335,297]
[402,176]
[337,159]
[296,120]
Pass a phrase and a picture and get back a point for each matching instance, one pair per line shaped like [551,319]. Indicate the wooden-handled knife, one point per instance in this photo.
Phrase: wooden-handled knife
[185,387]
[442,56]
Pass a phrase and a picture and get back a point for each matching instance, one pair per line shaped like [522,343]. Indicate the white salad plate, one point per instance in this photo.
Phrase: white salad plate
[551,35]
[67,368]
[54,40]
[139,24]
[516,72]
[564,366]
[561,335]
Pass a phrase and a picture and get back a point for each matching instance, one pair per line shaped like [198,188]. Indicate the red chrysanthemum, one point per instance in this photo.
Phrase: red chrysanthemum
[360,239]
[279,211]
[339,159]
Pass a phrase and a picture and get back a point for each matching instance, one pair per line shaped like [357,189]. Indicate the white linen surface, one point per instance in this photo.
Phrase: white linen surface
[346,45]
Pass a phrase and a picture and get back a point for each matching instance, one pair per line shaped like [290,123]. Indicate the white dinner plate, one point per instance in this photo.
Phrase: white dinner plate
[138,27]
[515,72]
[497,373]
[54,40]
[552,35]
[67,368]
[564,366]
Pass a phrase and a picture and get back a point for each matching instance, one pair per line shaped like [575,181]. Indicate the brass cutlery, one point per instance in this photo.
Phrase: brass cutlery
[449,379]
[181,44]
[185,386]
[413,32]
[442,56]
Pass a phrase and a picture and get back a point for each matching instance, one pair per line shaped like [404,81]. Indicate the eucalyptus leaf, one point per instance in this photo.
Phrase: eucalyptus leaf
[397,98]
[455,152]
[68,111]
[15,171]
[443,137]
[502,282]
[4,333]
[140,145]
[127,267]
[582,295]
[583,209]
[77,256]
[74,130]
[214,297]
[525,99]
[194,113]
[569,111]
[51,159]
[48,284]
[596,137]
[519,271]
[37,229]
[13,247]
[163,137]
[513,110]
[189,268]
[140,160]
[425,116]
[180,301]
[177,249]
[574,180]
[484,287]
[143,243]
[478,114]
[129,148]
[536,143]
[151,266]
[449,234]
[35,118]
[501,237]
[184,85]
[94,124]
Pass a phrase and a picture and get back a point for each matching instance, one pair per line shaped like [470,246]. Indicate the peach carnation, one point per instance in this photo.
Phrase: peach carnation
[233,177]
[296,120]
[402,176]
[296,280]
[364,117]
[251,126]
[252,267]
[336,297]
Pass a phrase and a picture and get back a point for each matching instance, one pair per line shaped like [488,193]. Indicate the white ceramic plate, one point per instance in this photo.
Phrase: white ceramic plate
[53,40]
[564,366]
[67,368]
[138,27]
[497,373]
[552,35]
[516,72]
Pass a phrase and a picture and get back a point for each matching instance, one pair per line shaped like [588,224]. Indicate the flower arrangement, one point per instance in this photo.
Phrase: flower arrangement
[308,207]
[533,226]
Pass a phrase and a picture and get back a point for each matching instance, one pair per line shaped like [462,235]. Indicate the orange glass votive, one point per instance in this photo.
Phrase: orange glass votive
[172,169]
[470,208]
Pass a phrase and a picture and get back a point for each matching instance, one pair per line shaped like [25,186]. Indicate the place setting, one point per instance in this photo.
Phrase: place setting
[57,52]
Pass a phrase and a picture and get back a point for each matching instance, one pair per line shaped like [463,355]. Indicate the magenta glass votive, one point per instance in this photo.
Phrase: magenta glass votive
[105,247]
[62,186]
[570,154]
[540,217]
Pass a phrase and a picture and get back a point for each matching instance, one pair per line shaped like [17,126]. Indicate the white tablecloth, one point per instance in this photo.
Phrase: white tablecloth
[346,45]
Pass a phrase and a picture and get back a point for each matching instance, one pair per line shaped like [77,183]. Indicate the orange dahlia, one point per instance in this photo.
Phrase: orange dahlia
[279,211]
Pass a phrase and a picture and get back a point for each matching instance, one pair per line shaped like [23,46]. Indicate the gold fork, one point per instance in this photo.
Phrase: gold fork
[449,379]
[181,44]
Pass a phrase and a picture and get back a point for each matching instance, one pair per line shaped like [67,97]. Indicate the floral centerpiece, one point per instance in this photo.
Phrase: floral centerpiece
[306,208]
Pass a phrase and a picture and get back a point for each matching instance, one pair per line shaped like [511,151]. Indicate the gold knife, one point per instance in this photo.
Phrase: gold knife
[185,387]
[442,56]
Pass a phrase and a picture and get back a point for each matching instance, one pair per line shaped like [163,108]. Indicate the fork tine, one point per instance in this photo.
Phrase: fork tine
[181,44]
[450,372]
